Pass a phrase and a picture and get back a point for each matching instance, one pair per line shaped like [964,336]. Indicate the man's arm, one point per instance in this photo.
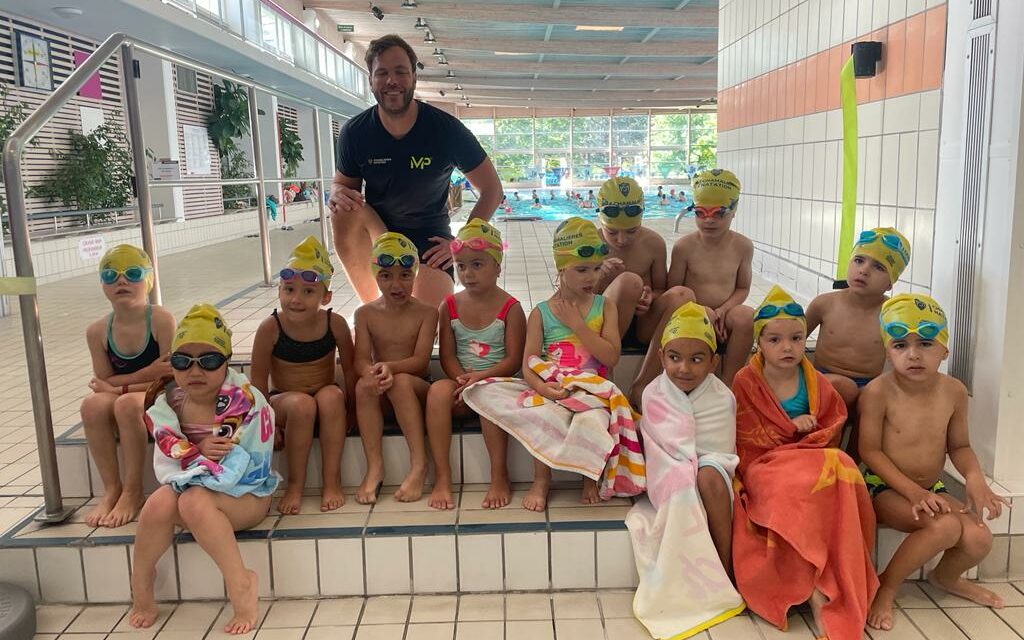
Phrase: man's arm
[346,193]
[488,186]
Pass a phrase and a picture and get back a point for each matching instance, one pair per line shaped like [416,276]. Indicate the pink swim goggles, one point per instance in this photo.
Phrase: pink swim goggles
[476,244]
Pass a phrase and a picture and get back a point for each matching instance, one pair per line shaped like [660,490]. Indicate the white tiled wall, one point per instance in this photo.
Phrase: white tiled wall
[757,36]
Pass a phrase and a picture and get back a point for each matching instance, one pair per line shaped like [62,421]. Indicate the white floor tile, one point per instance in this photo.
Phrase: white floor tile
[981,624]
[625,629]
[55,618]
[480,562]
[193,616]
[342,612]
[528,606]
[480,631]
[616,604]
[293,565]
[935,624]
[97,619]
[433,609]
[387,565]
[578,629]
[571,606]
[330,633]
[482,607]
[529,630]
[572,560]
[380,632]
[106,573]
[433,564]
[526,561]
[386,609]
[285,614]
[431,631]
[280,634]
[341,566]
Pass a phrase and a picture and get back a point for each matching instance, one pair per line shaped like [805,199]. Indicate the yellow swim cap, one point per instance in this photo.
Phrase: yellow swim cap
[578,241]
[310,255]
[390,249]
[913,313]
[886,245]
[479,236]
[716,188]
[690,321]
[123,256]
[777,305]
[203,324]
[628,196]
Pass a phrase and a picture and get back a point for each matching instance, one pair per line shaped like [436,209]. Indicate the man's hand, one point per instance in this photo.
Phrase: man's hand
[438,256]
[344,199]
[215,447]
[980,497]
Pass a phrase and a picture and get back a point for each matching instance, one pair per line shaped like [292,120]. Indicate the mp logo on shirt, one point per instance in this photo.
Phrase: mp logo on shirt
[419,163]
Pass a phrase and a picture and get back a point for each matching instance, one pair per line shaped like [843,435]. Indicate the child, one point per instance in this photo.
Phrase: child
[482,332]
[715,264]
[214,436]
[297,349]
[910,418]
[114,409]
[536,200]
[394,338]
[633,275]
[804,528]
[689,430]
[849,350]
[572,340]
[672,194]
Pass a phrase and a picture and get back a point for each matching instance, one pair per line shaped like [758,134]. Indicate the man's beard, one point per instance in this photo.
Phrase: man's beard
[406,101]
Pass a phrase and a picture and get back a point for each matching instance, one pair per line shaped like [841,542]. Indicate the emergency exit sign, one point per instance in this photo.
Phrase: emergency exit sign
[346,28]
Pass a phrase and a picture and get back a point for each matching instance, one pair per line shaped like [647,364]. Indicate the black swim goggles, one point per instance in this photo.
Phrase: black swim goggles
[207,361]
[614,210]
[406,262]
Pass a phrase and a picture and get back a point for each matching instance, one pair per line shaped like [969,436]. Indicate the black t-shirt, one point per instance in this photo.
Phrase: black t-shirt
[407,180]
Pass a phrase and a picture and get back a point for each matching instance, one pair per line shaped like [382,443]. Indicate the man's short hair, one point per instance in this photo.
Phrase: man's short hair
[382,44]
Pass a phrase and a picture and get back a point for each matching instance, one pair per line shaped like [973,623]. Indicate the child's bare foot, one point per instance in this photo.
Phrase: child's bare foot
[243,597]
[536,499]
[880,614]
[367,491]
[441,496]
[411,488]
[967,590]
[124,511]
[817,602]
[103,509]
[498,495]
[331,497]
[144,610]
[589,495]
[291,501]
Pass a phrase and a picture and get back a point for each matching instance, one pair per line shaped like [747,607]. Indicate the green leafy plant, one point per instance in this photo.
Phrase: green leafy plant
[291,149]
[229,121]
[95,174]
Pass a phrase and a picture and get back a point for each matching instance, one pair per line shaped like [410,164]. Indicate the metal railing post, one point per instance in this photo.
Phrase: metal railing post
[261,188]
[322,207]
[138,144]
[53,509]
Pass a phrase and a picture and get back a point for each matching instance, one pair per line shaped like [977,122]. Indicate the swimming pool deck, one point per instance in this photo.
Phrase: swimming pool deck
[66,308]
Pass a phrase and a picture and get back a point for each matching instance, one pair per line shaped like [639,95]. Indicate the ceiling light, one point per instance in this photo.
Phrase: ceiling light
[586,27]
[437,52]
[420,23]
[458,87]
[419,65]
[408,4]
[376,11]
[450,74]
[442,60]
[68,12]
[429,38]
[511,53]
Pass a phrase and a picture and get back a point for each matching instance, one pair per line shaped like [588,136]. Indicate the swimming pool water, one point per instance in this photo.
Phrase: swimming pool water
[562,208]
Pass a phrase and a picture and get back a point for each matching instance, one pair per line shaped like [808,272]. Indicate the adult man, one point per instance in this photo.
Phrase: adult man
[404,150]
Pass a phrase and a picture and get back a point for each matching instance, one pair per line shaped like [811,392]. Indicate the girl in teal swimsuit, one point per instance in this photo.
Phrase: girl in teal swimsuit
[482,332]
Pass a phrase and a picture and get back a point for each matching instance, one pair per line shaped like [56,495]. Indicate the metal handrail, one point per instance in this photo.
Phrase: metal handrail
[25,283]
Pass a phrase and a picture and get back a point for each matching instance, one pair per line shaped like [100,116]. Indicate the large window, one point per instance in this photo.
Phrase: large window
[704,140]
[590,132]
[514,134]
[630,131]
[552,133]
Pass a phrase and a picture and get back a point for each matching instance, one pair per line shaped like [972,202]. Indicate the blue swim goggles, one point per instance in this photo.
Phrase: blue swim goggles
[587,251]
[131,274]
[406,262]
[769,311]
[926,329]
[888,239]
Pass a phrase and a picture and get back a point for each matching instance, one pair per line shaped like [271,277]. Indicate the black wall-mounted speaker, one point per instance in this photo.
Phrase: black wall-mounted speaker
[866,56]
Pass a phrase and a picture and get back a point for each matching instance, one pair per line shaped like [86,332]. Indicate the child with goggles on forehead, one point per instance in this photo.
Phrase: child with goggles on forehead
[634,273]
[214,435]
[911,418]
[394,339]
[803,527]
[849,350]
[712,266]
[482,332]
[129,350]
[294,357]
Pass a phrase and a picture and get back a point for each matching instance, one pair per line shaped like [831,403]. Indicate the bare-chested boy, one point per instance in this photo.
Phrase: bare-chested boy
[849,350]
[634,273]
[910,418]
[714,263]
[394,338]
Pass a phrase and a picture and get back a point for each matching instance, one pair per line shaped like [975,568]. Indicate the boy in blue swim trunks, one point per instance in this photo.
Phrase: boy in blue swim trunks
[911,417]
[849,350]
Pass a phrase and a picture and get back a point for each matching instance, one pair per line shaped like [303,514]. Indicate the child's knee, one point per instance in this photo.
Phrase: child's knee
[302,408]
[403,383]
[161,507]
[711,485]
[946,528]
[129,407]
[440,393]
[366,388]
[740,318]
[629,283]
[332,394]
[194,504]
[678,296]
[976,540]
[97,408]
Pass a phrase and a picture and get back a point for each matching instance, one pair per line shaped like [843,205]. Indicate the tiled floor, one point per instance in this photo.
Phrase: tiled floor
[583,615]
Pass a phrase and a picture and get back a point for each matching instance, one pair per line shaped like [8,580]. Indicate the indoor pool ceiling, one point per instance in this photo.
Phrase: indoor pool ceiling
[532,53]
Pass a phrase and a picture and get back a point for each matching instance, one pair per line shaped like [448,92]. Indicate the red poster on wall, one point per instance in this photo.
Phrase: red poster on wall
[92,87]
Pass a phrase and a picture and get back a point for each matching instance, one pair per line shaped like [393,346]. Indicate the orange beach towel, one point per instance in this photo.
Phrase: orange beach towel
[803,517]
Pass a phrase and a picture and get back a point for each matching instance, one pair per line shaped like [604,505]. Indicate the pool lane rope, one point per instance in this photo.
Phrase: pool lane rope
[848,95]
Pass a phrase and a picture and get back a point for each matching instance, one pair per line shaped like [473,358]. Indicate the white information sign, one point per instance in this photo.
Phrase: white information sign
[90,248]
[197,150]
